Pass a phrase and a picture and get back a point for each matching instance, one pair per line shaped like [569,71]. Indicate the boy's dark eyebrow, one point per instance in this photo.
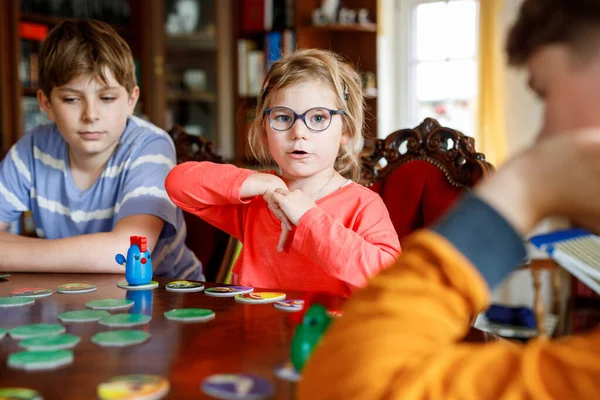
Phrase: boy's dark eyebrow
[70,89]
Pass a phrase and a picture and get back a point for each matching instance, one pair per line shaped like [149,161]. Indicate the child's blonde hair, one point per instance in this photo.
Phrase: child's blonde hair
[327,67]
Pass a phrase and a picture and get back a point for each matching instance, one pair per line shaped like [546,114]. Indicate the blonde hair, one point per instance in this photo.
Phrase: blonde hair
[327,67]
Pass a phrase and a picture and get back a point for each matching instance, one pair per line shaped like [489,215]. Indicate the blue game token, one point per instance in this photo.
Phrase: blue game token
[237,387]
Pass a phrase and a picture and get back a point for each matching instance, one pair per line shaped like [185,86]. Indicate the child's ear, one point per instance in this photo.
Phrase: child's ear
[44,102]
[345,139]
[133,99]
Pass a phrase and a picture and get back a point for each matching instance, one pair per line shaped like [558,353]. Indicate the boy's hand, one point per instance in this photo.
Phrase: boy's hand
[558,176]
[294,204]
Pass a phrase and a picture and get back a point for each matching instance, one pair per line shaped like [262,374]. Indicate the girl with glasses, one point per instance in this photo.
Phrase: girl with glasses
[306,226]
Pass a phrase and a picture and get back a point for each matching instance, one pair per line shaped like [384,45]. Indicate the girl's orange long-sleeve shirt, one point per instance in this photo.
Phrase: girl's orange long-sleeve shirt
[336,247]
[400,337]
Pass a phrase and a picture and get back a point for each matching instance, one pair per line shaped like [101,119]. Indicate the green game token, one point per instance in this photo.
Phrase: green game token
[124,285]
[184,286]
[31,292]
[120,338]
[82,315]
[2,333]
[190,314]
[3,275]
[36,330]
[110,304]
[19,394]
[45,343]
[35,360]
[15,301]
[118,320]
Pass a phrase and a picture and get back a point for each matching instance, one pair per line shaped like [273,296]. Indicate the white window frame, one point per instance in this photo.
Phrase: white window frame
[404,76]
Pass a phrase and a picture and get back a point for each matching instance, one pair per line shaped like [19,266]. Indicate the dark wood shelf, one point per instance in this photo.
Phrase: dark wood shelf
[192,41]
[199,97]
[346,27]
[53,20]
[29,92]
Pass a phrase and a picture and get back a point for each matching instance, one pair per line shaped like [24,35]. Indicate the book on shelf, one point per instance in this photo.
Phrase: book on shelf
[267,15]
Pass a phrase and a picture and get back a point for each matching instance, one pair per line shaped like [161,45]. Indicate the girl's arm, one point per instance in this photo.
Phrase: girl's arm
[218,193]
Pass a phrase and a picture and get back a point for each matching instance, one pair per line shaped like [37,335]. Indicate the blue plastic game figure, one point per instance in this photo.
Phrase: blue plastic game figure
[138,265]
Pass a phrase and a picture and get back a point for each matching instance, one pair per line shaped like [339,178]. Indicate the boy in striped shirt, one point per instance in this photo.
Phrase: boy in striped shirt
[95,175]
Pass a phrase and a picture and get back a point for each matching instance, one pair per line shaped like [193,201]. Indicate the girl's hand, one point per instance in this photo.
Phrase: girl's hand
[294,204]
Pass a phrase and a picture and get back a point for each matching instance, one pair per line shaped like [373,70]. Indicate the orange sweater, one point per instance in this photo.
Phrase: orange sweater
[400,339]
[336,247]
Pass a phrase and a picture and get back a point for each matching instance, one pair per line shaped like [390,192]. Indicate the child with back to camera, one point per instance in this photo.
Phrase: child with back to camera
[309,226]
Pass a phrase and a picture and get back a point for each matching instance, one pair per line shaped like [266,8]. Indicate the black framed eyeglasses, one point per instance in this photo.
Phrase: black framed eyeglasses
[317,119]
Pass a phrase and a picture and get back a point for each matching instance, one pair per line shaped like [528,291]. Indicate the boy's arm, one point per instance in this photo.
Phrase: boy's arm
[351,256]
[92,253]
[400,337]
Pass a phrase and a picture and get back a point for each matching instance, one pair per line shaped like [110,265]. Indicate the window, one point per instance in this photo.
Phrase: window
[441,62]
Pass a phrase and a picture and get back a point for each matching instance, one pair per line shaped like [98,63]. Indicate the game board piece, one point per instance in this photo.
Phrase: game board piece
[124,285]
[227,291]
[190,315]
[289,305]
[120,338]
[259,297]
[19,394]
[184,286]
[134,387]
[82,315]
[124,320]
[15,301]
[74,288]
[37,360]
[31,292]
[110,304]
[4,275]
[237,387]
[35,330]
[46,343]
[287,372]
[138,263]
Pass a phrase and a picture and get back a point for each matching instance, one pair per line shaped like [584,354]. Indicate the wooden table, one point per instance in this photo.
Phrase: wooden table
[243,338]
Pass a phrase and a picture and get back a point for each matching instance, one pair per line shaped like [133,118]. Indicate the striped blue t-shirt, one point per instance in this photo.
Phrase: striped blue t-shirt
[35,175]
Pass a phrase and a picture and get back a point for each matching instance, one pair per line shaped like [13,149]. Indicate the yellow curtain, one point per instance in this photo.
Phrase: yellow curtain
[491,130]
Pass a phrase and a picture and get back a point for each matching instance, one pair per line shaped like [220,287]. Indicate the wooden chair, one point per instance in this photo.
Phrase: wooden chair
[419,173]
[212,246]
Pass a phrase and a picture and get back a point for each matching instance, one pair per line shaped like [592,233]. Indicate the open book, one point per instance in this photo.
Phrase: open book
[577,251]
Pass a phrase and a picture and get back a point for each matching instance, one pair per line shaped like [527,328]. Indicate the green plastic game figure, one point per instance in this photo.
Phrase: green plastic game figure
[308,333]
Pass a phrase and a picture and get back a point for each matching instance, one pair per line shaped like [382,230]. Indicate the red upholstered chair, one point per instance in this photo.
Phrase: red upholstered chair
[419,173]
[210,244]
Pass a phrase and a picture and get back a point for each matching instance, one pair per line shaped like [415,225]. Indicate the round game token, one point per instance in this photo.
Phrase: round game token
[184,286]
[36,360]
[287,372]
[289,305]
[190,315]
[82,315]
[259,297]
[15,301]
[110,304]
[31,292]
[45,343]
[124,285]
[124,320]
[19,394]
[334,313]
[2,334]
[237,387]
[36,330]
[120,338]
[227,291]
[74,288]
[134,387]
[4,275]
